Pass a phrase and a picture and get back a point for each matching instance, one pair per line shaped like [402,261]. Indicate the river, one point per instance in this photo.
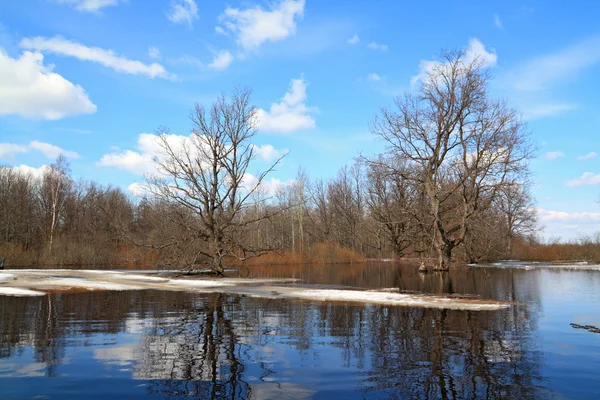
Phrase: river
[176,344]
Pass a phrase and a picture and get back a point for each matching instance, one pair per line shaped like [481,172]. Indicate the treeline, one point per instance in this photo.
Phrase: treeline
[452,186]
[361,213]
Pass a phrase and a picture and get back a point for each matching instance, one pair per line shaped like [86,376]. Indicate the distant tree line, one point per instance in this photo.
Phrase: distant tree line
[452,185]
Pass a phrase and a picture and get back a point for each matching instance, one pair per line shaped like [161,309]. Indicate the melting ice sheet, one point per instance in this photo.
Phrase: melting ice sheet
[39,282]
[514,264]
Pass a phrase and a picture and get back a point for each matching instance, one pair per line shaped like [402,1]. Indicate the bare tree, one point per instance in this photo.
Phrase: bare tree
[461,146]
[518,208]
[52,195]
[207,177]
[391,202]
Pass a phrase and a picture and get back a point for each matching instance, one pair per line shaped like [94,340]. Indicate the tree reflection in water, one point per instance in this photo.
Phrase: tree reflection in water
[219,346]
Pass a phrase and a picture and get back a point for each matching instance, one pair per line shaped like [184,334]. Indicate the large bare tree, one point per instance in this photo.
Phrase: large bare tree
[206,180]
[461,146]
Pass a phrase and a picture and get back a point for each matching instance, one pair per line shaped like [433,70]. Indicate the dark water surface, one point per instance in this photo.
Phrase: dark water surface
[168,345]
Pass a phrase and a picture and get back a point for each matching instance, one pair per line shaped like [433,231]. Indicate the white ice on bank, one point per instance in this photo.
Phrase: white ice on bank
[35,282]
[5,277]
[10,291]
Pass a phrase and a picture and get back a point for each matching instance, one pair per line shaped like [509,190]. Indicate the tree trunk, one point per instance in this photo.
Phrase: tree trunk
[217,264]
[444,257]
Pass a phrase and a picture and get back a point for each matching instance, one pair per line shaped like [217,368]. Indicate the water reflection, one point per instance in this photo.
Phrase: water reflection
[173,344]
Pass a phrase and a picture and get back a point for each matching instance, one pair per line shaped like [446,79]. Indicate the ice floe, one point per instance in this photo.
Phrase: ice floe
[5,277]
[11,291]
[512,264]
[36,282]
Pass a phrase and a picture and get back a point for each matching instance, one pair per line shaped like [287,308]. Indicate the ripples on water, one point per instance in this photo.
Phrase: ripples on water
[174,344]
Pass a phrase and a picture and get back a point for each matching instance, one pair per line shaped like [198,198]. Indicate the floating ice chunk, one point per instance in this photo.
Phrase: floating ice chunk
[194,283]
[86,284]
[10,291]
[141,278]
[397,299]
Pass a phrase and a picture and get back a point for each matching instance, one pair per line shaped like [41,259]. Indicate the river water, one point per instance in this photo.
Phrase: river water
[169,345]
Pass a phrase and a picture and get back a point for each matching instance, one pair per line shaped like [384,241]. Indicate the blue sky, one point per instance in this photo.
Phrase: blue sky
[94,79]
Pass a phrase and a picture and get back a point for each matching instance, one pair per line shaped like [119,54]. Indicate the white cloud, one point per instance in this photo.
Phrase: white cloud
[61,46]
[588,156]
[221,61]
[498,22]
[353,40]
[9,150]
[373,77]
[377,46]
[51,151]
[141,160]
[90,5]
[183,11]
[587,178]
[544,72]
[476,50]
[30,89]
[26,170]
[268,153]
[568,225]
[138,189]
[268,186]
[254,26]
[547,215]
[154,53]
[291,114]
[553,155]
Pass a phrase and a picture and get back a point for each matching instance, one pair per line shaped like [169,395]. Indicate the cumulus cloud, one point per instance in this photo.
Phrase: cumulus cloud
[548,215]
[268,153]
[30,89]
[221,61]
[476,50]
[90,5]
[588,156]
[138,161]
[268,186]
[138,189]
[254,26]
[141,160]
[26,170]
[587,178]
[553,155]
[570,225]
[9,150]
[373,77]
[183,12]
[378,46]
[108,58]
[353,40]
[289,115]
